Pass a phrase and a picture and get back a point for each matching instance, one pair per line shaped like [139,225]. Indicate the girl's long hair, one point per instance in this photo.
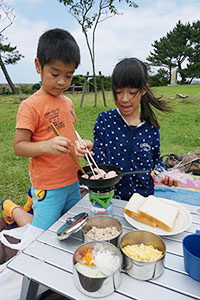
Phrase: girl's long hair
[132,73]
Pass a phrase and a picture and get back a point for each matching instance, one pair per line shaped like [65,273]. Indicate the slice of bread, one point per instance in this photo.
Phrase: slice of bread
[131,209]
[161,212]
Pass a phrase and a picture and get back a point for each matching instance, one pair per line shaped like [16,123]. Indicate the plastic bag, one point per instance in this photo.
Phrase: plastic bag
[10,281]
[177,175]
[188,163]
[26,234]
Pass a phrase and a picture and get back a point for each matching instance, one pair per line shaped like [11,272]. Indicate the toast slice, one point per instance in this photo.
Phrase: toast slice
[131,209]
[161,212]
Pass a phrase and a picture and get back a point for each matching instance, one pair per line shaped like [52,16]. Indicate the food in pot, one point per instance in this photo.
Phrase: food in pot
[89,271]
[142,252]
[85,176]
[100,171]
[97,176]
[103,234]
[97,262]
[110,174]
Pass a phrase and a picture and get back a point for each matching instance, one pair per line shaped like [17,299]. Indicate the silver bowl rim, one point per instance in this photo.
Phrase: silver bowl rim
[108,217]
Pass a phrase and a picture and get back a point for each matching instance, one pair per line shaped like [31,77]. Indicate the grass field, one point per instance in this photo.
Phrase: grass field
[180,132]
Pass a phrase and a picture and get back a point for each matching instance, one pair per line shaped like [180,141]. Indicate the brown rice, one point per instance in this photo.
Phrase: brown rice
[103,234]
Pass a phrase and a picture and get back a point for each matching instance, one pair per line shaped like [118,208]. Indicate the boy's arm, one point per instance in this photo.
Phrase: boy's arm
[24,147]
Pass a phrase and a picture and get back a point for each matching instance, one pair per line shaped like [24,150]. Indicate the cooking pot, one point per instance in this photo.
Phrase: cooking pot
[104,183]
[143,270]
[102,222]
[94,286]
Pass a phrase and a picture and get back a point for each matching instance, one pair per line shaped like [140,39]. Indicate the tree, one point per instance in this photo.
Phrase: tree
[161,78]
[193,67]
[162,55]
[89,14]
[178,48]
[6,16]
[8,54]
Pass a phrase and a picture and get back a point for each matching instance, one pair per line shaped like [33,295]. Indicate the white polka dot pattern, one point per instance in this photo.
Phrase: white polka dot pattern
[129,148]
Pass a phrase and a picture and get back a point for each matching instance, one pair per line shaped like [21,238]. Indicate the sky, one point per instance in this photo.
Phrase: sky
[129,34]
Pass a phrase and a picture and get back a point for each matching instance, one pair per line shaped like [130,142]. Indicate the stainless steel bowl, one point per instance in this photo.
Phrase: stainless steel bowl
[97,287]
[139,269]
[102,222]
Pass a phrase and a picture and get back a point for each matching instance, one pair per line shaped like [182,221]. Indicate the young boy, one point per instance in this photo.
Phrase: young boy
[53,173]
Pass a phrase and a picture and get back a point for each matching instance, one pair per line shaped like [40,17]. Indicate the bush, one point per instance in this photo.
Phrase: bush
[78,80]
[159,79]
[5,91]
[25,89]
[106,83]
[36,87]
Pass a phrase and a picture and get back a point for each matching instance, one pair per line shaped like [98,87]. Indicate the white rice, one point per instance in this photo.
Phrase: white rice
[105,260]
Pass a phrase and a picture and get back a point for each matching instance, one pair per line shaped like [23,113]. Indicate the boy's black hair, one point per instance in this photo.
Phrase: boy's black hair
[132,73]
[58,44]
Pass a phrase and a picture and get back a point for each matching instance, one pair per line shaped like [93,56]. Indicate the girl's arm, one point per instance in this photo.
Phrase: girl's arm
[100,152]
[23,146]
[160,167]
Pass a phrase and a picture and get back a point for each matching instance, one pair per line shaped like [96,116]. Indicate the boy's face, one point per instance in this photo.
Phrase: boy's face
[56,76]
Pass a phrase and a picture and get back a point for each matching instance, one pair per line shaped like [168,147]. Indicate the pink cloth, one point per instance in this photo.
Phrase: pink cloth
[193,184]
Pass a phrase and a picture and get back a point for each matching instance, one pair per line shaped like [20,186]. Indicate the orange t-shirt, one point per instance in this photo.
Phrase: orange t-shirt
[49,171]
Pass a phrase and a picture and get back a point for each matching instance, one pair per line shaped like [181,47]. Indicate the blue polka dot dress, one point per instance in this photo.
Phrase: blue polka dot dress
[129,148]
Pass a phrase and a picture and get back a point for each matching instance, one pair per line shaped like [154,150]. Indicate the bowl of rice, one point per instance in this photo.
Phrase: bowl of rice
[102,228]
[97,268]
[143,254]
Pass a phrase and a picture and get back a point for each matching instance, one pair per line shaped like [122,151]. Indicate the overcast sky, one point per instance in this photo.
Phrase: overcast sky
[130,34]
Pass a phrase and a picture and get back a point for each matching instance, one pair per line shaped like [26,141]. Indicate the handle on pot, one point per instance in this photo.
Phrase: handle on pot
[133,172]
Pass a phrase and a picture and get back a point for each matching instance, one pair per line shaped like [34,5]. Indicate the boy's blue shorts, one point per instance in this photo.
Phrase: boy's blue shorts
[50,205]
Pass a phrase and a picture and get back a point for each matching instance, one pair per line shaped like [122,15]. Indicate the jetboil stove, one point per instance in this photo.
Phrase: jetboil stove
[101,191]
[101,200]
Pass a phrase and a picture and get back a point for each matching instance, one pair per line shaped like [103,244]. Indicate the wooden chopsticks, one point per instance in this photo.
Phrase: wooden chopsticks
[53,127]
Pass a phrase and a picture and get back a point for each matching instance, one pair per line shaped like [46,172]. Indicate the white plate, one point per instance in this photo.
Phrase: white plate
[182,223]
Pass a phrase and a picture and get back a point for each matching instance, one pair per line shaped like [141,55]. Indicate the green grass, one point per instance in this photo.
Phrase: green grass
[179,132]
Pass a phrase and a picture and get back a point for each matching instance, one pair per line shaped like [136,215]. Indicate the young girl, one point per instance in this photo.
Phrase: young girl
[128,136]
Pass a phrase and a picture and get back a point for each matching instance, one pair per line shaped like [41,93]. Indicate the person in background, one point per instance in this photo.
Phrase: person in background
[53,173]
[128,136]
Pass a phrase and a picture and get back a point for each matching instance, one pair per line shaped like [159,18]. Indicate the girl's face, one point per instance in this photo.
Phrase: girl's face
[128,102]
[56,76]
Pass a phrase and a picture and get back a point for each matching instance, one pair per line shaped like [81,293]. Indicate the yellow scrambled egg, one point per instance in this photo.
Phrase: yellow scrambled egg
[142,252]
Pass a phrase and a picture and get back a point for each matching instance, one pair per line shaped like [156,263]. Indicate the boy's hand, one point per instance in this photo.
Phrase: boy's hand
[58,145]
[80,150]
[167,180]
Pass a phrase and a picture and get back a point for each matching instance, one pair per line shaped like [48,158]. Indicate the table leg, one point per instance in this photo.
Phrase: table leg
[29,289]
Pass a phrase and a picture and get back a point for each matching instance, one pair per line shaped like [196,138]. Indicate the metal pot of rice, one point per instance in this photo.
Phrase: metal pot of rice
[97,268]
[102,228]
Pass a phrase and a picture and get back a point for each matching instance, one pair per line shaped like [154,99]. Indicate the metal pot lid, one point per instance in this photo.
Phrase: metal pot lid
[73,224]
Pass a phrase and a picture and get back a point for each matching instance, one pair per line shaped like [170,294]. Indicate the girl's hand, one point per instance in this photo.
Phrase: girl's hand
[57,145]
[80,150]
[167,180]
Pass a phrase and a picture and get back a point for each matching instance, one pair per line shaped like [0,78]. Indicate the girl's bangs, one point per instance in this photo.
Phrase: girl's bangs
[128,76]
